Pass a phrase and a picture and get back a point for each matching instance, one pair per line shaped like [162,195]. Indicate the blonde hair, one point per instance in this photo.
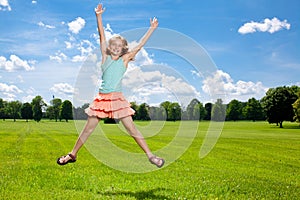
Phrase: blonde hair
[124,41]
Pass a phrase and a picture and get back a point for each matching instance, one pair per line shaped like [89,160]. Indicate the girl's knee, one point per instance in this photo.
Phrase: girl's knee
[131,129]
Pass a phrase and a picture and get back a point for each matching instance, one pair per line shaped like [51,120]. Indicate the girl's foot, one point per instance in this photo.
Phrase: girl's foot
[159,162]
[66,159]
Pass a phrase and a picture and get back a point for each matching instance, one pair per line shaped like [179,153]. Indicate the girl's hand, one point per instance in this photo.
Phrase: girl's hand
[99,10]
[153,22]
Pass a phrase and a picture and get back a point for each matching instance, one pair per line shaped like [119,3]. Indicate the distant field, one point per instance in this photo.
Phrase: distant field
[252,160]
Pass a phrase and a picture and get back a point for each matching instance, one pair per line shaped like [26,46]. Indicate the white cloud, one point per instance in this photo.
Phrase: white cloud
[267,25]
[59,57]
[41,24]
[4,5]
[63,88]
[28,98]
[34,2]
[68,45]
[86,48]
[9,88]
[109,33]
[78,58]
[31,94]
[76,25]
[15,63]
[221,84]
[151,85]
[147,82]
[8,92]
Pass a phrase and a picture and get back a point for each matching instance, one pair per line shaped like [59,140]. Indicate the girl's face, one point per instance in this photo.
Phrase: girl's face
[116,47]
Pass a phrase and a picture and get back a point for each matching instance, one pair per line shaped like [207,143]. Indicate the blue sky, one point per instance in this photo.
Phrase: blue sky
[253,45]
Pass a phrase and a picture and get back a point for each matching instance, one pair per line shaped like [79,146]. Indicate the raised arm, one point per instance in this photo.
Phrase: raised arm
[99,11]
[144,39]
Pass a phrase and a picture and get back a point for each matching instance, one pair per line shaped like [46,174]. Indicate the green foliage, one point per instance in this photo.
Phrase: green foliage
[253,110]
[53,111]
[142,112]
[157,113]
[208,109]
[2,109]
[218,112]
[14,109]
[37,105]
[166,105]
[174,112]
[26,111]
[234,110]
[250,161]
[66,111]
[296,107]
[276,107]
[278,104]
[193,114]
[199,112]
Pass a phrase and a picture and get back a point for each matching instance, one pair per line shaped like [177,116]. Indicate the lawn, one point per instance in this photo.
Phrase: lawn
[251,160]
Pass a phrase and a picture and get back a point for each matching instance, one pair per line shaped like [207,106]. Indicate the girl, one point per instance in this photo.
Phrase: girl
[110,101]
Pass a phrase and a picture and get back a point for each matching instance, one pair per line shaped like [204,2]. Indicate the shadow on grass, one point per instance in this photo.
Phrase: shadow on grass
[139,195]
[287,126]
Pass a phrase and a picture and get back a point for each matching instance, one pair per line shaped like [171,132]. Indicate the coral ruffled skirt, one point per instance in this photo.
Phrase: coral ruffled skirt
[110,105]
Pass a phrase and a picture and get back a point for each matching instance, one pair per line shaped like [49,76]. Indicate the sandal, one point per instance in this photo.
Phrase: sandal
[159,162]
[71,160]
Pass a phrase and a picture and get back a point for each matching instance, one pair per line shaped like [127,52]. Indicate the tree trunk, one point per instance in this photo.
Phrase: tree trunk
[280,124]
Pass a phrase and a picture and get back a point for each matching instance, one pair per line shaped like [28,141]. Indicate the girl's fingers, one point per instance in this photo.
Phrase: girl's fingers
[154,20]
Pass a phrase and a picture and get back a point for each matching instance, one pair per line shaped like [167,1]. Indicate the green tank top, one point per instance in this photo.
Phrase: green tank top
[112,74]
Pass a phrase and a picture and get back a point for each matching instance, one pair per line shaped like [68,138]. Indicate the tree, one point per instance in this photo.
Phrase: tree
[142,112]
[26,111]
[199,111]
[135,107]
[66,110]
[234,110]
[190,110]
[253,110]
[278,104]
[50,112]
[218,112]
[296,106]
[53,111]
[37,105]
[208,108]
[14,109]
[3,105]
[166,105]
[157,113]
[174,112]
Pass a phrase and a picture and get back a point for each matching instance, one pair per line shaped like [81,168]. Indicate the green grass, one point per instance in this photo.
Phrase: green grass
[250,161]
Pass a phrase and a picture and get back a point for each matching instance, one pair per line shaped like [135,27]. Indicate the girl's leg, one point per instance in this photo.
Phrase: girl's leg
[90,126]
[138,137]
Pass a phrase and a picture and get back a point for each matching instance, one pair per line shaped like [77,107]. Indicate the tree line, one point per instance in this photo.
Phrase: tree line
[36,110]
[278,105]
